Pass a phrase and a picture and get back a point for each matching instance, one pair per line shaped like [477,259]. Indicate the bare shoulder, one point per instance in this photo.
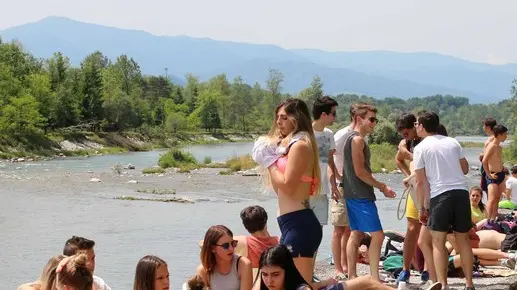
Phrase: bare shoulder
[244,264]
[358,140]
[301,147]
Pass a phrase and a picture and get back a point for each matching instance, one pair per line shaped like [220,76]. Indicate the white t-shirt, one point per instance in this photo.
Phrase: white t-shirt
[325,142]
[440,157]
[339,157]
[511,184]
[100,283]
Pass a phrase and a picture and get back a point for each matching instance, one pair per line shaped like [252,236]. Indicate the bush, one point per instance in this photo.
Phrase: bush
[153,170]
[510,152]
[176,158]
[384,132]
[207,160]
[383,156]
[240,163]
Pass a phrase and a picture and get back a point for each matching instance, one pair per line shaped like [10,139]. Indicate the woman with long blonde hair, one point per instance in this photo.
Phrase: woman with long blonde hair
[290,154]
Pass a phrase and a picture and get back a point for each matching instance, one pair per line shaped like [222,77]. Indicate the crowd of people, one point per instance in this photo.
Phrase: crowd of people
[316,174]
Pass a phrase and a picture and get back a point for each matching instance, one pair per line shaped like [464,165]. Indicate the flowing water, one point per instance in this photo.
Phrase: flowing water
[43,204]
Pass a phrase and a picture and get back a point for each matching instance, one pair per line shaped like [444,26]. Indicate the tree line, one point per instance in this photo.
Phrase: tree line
[38,96]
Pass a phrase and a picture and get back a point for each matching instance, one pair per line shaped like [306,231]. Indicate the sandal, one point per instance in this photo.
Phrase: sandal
[341,277]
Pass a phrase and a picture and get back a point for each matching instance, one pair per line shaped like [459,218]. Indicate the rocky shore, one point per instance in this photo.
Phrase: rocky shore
[507,279]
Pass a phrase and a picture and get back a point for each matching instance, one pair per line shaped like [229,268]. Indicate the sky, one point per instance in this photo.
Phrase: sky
[476,30]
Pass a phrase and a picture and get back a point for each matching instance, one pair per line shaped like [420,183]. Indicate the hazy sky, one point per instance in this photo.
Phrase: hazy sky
[478,30]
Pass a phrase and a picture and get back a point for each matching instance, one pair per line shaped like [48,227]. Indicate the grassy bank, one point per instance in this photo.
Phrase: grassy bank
[185,162]
[383,157]
[472,144]
[89,143]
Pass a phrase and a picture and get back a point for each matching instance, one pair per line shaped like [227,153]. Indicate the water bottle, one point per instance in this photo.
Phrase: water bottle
[402,285]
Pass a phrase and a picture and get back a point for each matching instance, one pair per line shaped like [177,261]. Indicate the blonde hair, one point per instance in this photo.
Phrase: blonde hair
[298,113]
[76,273]
[48,276]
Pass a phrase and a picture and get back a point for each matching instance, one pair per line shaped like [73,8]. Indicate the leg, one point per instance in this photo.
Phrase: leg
[465,251]
[374,253]
[344,241]
[440,256]
[364,283]
[426,246]
[306,267]
[351,251]
[337,239]
[492,201]
[410,242]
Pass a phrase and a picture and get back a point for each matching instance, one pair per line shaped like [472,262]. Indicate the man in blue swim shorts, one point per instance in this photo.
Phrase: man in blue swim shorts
[358,188]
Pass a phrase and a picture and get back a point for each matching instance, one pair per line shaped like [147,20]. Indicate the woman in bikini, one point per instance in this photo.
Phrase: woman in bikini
[294,174]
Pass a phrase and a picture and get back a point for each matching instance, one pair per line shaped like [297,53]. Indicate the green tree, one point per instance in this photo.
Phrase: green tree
[21,116]
[92,67]
[273,90]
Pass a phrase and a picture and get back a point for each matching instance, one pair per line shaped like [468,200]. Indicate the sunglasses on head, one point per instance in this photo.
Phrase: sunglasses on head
[226,246]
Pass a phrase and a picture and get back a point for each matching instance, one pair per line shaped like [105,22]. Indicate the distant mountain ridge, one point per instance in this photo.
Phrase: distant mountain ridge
[374,73]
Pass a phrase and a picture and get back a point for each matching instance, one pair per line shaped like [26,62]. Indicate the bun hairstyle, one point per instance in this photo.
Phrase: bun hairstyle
[75,273]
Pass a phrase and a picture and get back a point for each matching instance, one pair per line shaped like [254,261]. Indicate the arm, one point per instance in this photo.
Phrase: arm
[332,174]
[200,271]
[489,152]
[297,163]
[400,158]
[508,194]
[422,189]
[245,274]
[464,165]
[358,163]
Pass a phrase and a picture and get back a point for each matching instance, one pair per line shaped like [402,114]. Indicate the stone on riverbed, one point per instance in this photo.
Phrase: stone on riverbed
[95,180]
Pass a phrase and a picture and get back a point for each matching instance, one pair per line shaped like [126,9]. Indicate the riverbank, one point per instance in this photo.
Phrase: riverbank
[505,278]
[103,143]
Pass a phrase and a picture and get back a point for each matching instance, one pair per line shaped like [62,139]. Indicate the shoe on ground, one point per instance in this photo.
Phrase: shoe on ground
[403,276]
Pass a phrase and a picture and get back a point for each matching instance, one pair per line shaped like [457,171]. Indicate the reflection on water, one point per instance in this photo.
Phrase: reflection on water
[38,215]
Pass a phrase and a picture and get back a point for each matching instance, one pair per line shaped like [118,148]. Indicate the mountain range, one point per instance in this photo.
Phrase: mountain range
[374,73]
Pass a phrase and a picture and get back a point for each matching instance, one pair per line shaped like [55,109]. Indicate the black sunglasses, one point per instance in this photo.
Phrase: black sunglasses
[373,120]
[226,246]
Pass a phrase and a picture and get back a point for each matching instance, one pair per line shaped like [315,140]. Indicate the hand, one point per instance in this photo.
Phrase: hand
[330,281]
[62,264]
[388,192]
[492,176]
[406,181]
[336,195]
[423,216]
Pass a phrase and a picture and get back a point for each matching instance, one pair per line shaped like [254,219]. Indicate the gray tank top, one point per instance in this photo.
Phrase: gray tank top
[229,281]
[353,187]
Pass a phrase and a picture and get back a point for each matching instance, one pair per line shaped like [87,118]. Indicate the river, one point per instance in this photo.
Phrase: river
[45,203]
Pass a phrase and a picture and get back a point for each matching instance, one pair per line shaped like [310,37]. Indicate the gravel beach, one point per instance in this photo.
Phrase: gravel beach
[324,270]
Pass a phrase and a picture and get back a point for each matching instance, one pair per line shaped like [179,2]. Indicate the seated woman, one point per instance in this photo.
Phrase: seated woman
[73,273]
[151,274]
[278,272]
[47,279]
[477,207]
[221,268]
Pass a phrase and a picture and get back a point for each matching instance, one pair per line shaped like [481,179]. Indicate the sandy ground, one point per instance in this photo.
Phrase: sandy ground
[324,270]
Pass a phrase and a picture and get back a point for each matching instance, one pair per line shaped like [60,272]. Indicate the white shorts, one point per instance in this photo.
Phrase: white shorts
[320,205]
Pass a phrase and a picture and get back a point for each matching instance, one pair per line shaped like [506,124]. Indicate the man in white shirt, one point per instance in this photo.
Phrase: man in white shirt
[442,194]
[339,214]
[511,186]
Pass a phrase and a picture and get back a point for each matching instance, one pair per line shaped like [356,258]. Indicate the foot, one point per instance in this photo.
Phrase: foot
[509,263]
[403,276]
[434,286]
[424,276]
[470,287]
[341,277]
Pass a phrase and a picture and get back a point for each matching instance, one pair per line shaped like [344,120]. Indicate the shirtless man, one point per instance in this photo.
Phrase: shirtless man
[493,167]
[488,127]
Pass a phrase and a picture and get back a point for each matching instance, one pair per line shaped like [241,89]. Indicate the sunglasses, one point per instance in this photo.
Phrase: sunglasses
[373,120]
[226,246]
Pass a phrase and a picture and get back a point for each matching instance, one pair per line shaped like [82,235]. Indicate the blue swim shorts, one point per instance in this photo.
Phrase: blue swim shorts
[363,215]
